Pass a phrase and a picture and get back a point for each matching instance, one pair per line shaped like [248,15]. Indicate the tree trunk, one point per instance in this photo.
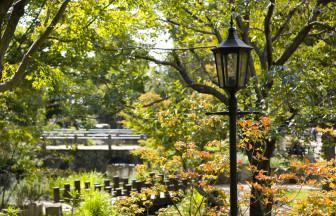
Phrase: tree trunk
[261,203]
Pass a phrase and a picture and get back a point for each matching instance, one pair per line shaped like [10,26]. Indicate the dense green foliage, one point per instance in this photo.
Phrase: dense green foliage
[76,63]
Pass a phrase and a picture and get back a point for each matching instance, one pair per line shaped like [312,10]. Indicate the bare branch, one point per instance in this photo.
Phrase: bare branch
[267,24]
[19,73]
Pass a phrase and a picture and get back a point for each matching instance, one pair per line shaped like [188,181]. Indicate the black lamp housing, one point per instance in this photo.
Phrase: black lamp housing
[232,58]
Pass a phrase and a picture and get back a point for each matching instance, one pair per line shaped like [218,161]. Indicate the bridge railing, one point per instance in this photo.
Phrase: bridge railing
[90,132]
[82,136]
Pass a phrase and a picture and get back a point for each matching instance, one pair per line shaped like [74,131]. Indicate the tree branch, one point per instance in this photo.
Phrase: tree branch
[267,24]
[186,26]
[293,46]
[19,73]
[183,72]
[63,40]
[202,68]
[155,102]
[4,7]
[196,17]
[29,29]
[215,30]
[288,18]
[244,28]
[324,25]
[17,13]
[317,33]
[157,61]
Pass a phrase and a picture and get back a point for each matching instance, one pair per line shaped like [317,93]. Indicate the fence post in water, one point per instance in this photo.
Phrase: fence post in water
[66,194]
[56,194]
[77,185]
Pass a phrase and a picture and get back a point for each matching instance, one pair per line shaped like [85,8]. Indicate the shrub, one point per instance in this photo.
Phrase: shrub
[95,203]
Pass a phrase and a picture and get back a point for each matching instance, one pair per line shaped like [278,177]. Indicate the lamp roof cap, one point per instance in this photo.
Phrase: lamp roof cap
[232,41]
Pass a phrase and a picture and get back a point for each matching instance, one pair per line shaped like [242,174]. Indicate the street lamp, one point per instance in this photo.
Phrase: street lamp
[232,58]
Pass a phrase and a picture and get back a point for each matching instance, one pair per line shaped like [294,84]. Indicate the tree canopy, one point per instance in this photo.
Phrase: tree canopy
[76,62]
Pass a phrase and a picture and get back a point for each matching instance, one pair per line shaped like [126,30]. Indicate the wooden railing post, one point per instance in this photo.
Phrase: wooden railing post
[108,189]
[97,187]
[128,189]
[124,181]
[106,182]
[161,178]
[138,186]
[109,142]
[116,181]
[66,193]
[56,194]
[87,185]
[77,186]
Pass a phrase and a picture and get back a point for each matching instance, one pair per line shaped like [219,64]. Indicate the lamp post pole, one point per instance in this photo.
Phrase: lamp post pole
[232,65]
[233,154]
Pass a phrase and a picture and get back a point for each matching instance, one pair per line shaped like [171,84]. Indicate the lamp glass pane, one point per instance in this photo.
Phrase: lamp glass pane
[231,70]
[243,61]
[220,71]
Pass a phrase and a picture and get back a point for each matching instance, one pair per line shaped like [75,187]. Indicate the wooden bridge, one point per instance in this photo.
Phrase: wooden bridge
[92,137]
[91,149]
